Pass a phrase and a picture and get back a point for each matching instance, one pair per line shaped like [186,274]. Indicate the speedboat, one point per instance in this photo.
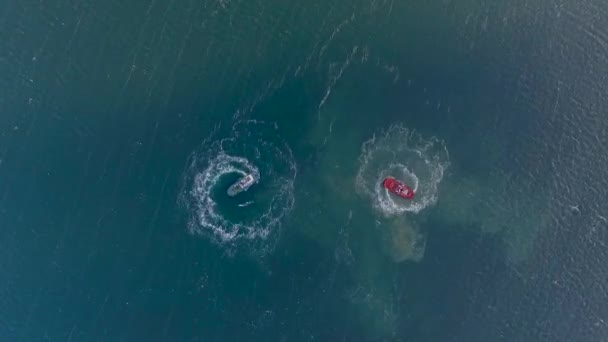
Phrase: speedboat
[398,188]
[241,185]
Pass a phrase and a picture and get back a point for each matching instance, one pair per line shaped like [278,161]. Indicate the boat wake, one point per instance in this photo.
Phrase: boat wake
[254,148]
[407,156]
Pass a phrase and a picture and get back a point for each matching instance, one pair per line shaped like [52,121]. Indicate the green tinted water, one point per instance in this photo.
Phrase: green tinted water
[111,110]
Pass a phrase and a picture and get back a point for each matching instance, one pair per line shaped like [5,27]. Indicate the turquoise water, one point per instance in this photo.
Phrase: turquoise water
[123,124]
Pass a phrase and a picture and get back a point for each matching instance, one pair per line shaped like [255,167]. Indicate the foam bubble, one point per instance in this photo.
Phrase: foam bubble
[253,147]
[405,155]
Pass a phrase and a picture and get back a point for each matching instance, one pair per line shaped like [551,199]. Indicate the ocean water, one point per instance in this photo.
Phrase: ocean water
[123,123]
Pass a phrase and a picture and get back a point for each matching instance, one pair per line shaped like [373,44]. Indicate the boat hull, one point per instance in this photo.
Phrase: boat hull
[396,187]
[241,185]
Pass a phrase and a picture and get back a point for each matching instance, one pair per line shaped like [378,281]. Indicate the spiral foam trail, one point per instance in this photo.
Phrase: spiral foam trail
[405,155]
[254,148]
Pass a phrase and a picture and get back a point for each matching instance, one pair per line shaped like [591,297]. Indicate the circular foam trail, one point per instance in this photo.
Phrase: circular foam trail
[253,147]
[407,156]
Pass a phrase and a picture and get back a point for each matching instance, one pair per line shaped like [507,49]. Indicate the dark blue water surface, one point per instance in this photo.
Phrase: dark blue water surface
[122,124]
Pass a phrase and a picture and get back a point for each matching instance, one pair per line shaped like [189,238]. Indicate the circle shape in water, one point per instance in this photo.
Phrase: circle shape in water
[407,156]
[255,148]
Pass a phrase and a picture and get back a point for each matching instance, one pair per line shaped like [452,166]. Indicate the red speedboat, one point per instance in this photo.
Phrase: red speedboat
[398,188]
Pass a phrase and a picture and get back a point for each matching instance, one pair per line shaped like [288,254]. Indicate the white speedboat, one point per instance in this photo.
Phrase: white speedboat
[241,185]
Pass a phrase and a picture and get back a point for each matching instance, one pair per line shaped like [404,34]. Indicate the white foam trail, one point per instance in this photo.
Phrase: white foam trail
[251,149]
[246,204]
[204,183]
[404,154]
